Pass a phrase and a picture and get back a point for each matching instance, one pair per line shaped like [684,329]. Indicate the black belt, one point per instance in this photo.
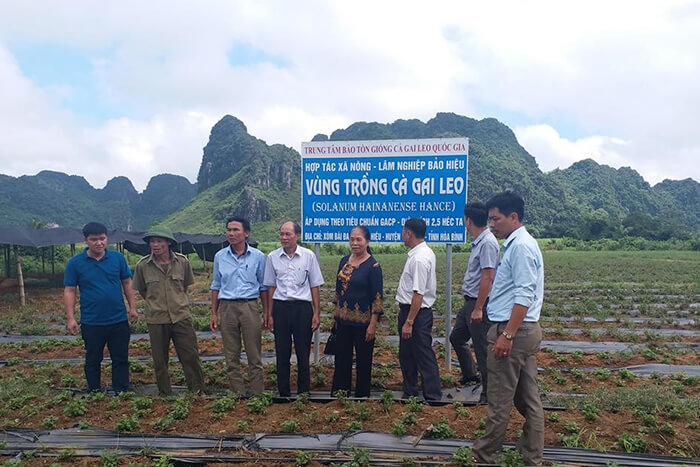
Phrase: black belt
[467,297]
[402,306]
[239,299]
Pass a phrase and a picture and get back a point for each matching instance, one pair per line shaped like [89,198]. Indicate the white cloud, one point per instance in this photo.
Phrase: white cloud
[552,151]
[165,144]
[624,75]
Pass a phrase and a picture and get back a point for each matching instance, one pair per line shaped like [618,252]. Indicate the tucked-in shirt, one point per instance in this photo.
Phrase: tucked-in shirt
[484,255]
[418,276]
[100,286]
[519,278]
[293,276]
[164,286]
[239,276]
[359,292]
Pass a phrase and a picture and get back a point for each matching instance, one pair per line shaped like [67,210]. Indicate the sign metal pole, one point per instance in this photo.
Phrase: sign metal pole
[448,306]
[317,333]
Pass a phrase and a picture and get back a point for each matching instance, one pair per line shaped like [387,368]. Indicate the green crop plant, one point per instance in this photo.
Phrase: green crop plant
[290,426]
[441,430]
[398,428]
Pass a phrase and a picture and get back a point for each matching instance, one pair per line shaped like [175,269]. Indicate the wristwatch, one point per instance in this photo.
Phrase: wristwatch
[409,321]
[508,336]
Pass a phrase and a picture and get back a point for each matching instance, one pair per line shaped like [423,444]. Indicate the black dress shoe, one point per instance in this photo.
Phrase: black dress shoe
[483,400]
[470,381]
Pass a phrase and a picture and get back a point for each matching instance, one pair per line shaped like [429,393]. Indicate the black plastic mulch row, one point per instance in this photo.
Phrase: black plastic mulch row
[381,446]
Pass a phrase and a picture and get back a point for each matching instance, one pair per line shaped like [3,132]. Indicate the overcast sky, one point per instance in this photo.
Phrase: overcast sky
[132,88]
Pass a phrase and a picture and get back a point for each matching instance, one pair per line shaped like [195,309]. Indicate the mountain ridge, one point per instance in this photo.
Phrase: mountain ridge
[241,174]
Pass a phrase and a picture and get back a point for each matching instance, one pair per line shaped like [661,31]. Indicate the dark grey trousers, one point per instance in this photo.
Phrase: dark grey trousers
[185,342]
[513,381]
[465,330]
[416,355]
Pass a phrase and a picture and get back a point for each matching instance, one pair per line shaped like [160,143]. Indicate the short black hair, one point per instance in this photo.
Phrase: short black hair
[507,202]
[244,222]
[297,227]
[416,226]
[477,212]
[94,228]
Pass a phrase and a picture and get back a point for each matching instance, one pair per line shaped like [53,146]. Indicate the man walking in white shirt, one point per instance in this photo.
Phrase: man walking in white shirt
[415,295]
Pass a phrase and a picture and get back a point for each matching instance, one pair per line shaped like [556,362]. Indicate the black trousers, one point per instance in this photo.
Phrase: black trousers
[416,355]
[459,337]
[116,336]
[346,338]
[292,320]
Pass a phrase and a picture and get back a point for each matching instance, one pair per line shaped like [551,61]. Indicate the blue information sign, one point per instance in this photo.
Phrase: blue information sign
[381,184]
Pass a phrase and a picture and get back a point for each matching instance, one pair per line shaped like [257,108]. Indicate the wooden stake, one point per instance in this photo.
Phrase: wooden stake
[20,277]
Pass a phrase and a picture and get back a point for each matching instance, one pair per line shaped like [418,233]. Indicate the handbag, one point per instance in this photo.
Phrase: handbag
[330,343]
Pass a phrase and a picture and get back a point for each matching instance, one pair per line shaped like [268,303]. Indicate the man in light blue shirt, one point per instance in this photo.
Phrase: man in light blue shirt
[237,283]
[515,335]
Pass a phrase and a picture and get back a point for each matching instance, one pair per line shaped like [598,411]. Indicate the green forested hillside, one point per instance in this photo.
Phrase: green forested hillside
[496,162]
[243,175]
[68,200]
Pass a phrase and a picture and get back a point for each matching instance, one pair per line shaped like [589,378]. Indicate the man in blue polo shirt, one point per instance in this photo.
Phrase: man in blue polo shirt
[102,276]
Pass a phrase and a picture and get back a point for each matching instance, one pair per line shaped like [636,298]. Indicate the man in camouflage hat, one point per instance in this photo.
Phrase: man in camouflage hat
[162,278]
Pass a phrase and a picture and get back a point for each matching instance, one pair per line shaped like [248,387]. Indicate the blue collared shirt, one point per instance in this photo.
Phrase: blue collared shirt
[100,285]
[238,277]
[519,278]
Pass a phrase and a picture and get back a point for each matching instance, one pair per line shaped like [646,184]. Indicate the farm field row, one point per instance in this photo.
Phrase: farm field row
[603,311]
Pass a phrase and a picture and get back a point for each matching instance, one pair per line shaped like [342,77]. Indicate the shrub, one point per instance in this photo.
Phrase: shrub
[300,401]
[667,429]
[290,426]
[75,408]
[463,456]
[303,459]
[398,428]
[387,400]
[49,422]
[243,425]
[163,423]
[441,430]
[626,374]
[181,409]
[224,404]
[414,405]
[68,380]
[84,424]
[354,426]
[127,423]
[110,458]
[630,443]
[408,418]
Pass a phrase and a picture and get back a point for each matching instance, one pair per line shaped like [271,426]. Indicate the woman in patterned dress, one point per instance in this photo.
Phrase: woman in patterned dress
[359,305]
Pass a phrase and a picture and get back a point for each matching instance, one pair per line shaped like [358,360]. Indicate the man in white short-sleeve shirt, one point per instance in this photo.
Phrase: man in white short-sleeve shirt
[293,278]
[415,295]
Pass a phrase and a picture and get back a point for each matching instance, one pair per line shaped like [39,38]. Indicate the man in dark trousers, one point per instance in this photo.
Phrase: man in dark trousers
[293,276]
[102,276]
[415,295]
[162,279]
[514,335]
[471,322]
